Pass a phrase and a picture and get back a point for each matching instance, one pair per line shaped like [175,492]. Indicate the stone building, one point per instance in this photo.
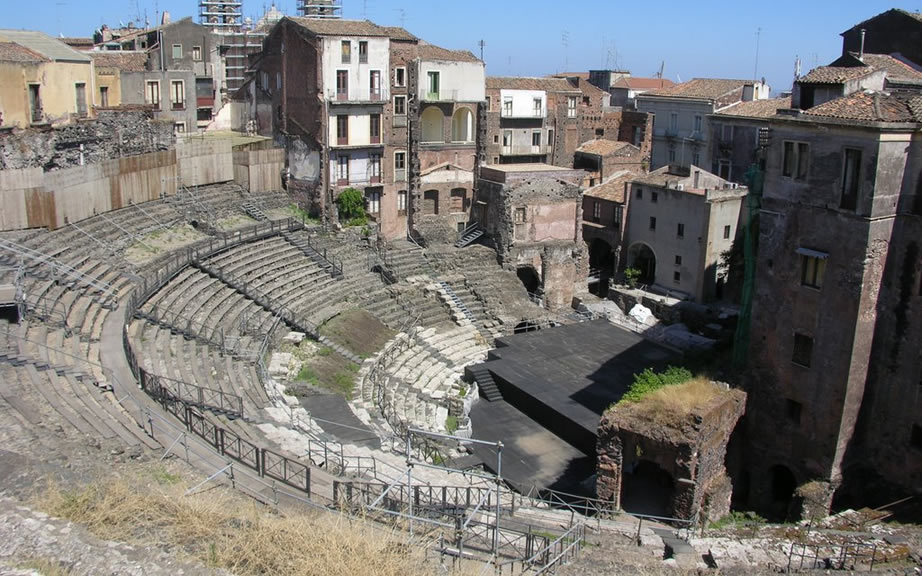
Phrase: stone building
[604,209]
[112,68]
[43,80]
[681,131]
[736,131]
[533,213]
[601,159]
[625,90]
[892,32]
[679,223]
[834,379]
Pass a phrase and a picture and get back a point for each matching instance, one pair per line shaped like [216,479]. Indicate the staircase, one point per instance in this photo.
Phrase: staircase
[320,258]
[254,211]
[471,233]
[455,303]
[481,375]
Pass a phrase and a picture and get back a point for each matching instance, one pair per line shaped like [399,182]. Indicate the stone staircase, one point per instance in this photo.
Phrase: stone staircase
[303,243]
[480,375]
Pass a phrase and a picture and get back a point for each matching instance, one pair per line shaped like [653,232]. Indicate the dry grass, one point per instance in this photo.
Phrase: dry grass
[221,529]
[672,403]
[43,566]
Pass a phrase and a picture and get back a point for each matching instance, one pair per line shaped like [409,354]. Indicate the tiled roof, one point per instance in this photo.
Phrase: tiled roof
[336,27]
[524,83]
[398,33]
[757,108]
[586,88]
[581,75]
[835,74]
[914,15]
[78,42]
[44,44]
[872,106]
[12,52]
[700,88]
[613,188]
[895,69]
[603,147]
[433,52]
[126,61]
[635,83]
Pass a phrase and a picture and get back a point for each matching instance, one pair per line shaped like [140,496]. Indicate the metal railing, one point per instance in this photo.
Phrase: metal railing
[192,394]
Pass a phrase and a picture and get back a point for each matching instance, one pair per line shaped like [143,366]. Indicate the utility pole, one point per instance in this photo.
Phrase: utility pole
[481,44]
[755,72]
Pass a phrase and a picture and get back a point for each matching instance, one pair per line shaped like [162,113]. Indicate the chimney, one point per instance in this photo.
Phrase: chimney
[861,49]
[697,178]
[165,18]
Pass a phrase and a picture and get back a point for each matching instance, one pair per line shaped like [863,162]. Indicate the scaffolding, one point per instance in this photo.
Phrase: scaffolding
[754,179]
[327,9]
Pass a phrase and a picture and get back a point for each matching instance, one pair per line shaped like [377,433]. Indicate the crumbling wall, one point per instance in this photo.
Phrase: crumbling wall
[115,133]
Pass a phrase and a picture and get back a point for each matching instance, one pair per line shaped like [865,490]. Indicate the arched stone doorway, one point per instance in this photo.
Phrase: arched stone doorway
[462,126]
[647,489]
[601,267]
[529,278]
[783,484]
[642,257]
[431,121]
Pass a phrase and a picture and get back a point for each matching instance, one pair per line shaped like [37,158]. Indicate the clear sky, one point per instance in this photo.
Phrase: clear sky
[710,38]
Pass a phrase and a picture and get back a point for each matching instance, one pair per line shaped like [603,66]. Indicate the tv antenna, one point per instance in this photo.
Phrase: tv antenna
[565,42]
[481,44]
[755,72]
[403,16]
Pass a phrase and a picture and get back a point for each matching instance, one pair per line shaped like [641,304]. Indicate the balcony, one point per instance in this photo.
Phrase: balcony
[524,150]
[442,96]
[507,113]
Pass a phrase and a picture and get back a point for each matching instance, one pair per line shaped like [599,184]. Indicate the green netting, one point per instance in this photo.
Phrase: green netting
[754,179]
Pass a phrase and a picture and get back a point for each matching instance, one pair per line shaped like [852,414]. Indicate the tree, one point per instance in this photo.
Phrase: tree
[351,205]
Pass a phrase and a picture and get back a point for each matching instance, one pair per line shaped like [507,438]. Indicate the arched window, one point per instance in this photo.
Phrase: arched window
[432,125]
[462,126]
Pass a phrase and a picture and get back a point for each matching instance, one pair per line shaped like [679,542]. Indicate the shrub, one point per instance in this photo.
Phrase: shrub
[648,381]
[351,205]
[631,275]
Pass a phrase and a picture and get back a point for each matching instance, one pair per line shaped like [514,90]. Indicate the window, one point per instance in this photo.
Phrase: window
[179,128]
[536,106]
[723,169]
[80,94]
[792,410]
[433,85]
[652,222]
[507,107]
[850,173]
[680,230]
[672,155]
[726,133]
[264,80]
[803,350]
[696,158]
[673,121]
[400,166]
[812,268]
[496,138]
[374,168]
[596,210]
[519,215]
[600,131]
[342,130]
[363,52]
[177,51]
[346,51]
[489,102]
[727,230]
[618,217]
[374,128]
[103,96]
[677,277]
[374,84]
[915,438]
[278,81]
[654,197]
[550,137]
[586,101]
[373,201]
[400,105]
[178,94]
[638,193]
[507,138]
[457,200]
[697,123]
[402,203]
[342,84]
[152,93]
[794,164]
[400,77]
[678,260]
[197,53]
[342,170]
[536,139]
[571,106]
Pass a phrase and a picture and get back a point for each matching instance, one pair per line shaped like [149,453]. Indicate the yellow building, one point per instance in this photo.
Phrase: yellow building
[43,80]
[109,66]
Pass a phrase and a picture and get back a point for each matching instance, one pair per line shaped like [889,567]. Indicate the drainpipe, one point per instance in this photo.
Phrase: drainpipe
[861,49]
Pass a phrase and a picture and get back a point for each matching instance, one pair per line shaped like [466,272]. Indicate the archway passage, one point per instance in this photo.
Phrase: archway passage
[601,267]
[647,489]
[462,126]
[641,257]
[783,484]
[529,278]
[431,121]
[10,313]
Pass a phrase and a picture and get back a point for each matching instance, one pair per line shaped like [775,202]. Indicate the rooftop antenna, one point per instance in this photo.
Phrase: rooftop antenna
[755,72]
[364,9]
[565,41]
[60,9]
[796,67]
[481,44]
[403,16]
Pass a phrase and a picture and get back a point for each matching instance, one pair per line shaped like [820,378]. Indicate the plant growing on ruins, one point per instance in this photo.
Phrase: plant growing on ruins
[632,275]
[351,205]
[647,381]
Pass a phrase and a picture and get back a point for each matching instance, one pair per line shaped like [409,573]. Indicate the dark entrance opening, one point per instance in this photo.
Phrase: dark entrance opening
[782,490]
[647,489]
[642,258]
[601,267]
[10,313]
[526,326]
[529,278]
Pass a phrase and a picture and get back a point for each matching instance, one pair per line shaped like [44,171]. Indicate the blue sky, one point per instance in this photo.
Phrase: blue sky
[712,38]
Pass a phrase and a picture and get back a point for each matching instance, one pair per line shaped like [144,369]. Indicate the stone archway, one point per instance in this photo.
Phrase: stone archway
[642,257]
[431,121]
[529,278]
[647,489]
[462,126]
[783,485]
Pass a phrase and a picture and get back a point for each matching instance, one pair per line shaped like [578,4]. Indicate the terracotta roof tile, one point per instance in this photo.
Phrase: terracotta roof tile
[613,188]
[433,52]
[895,69]
[398,33]
[603,147]
[126,61]
[872,106]
[757,108]
[12,52]
[336,27]
[524,83]
[700,88]
[635,83]
[835,74]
